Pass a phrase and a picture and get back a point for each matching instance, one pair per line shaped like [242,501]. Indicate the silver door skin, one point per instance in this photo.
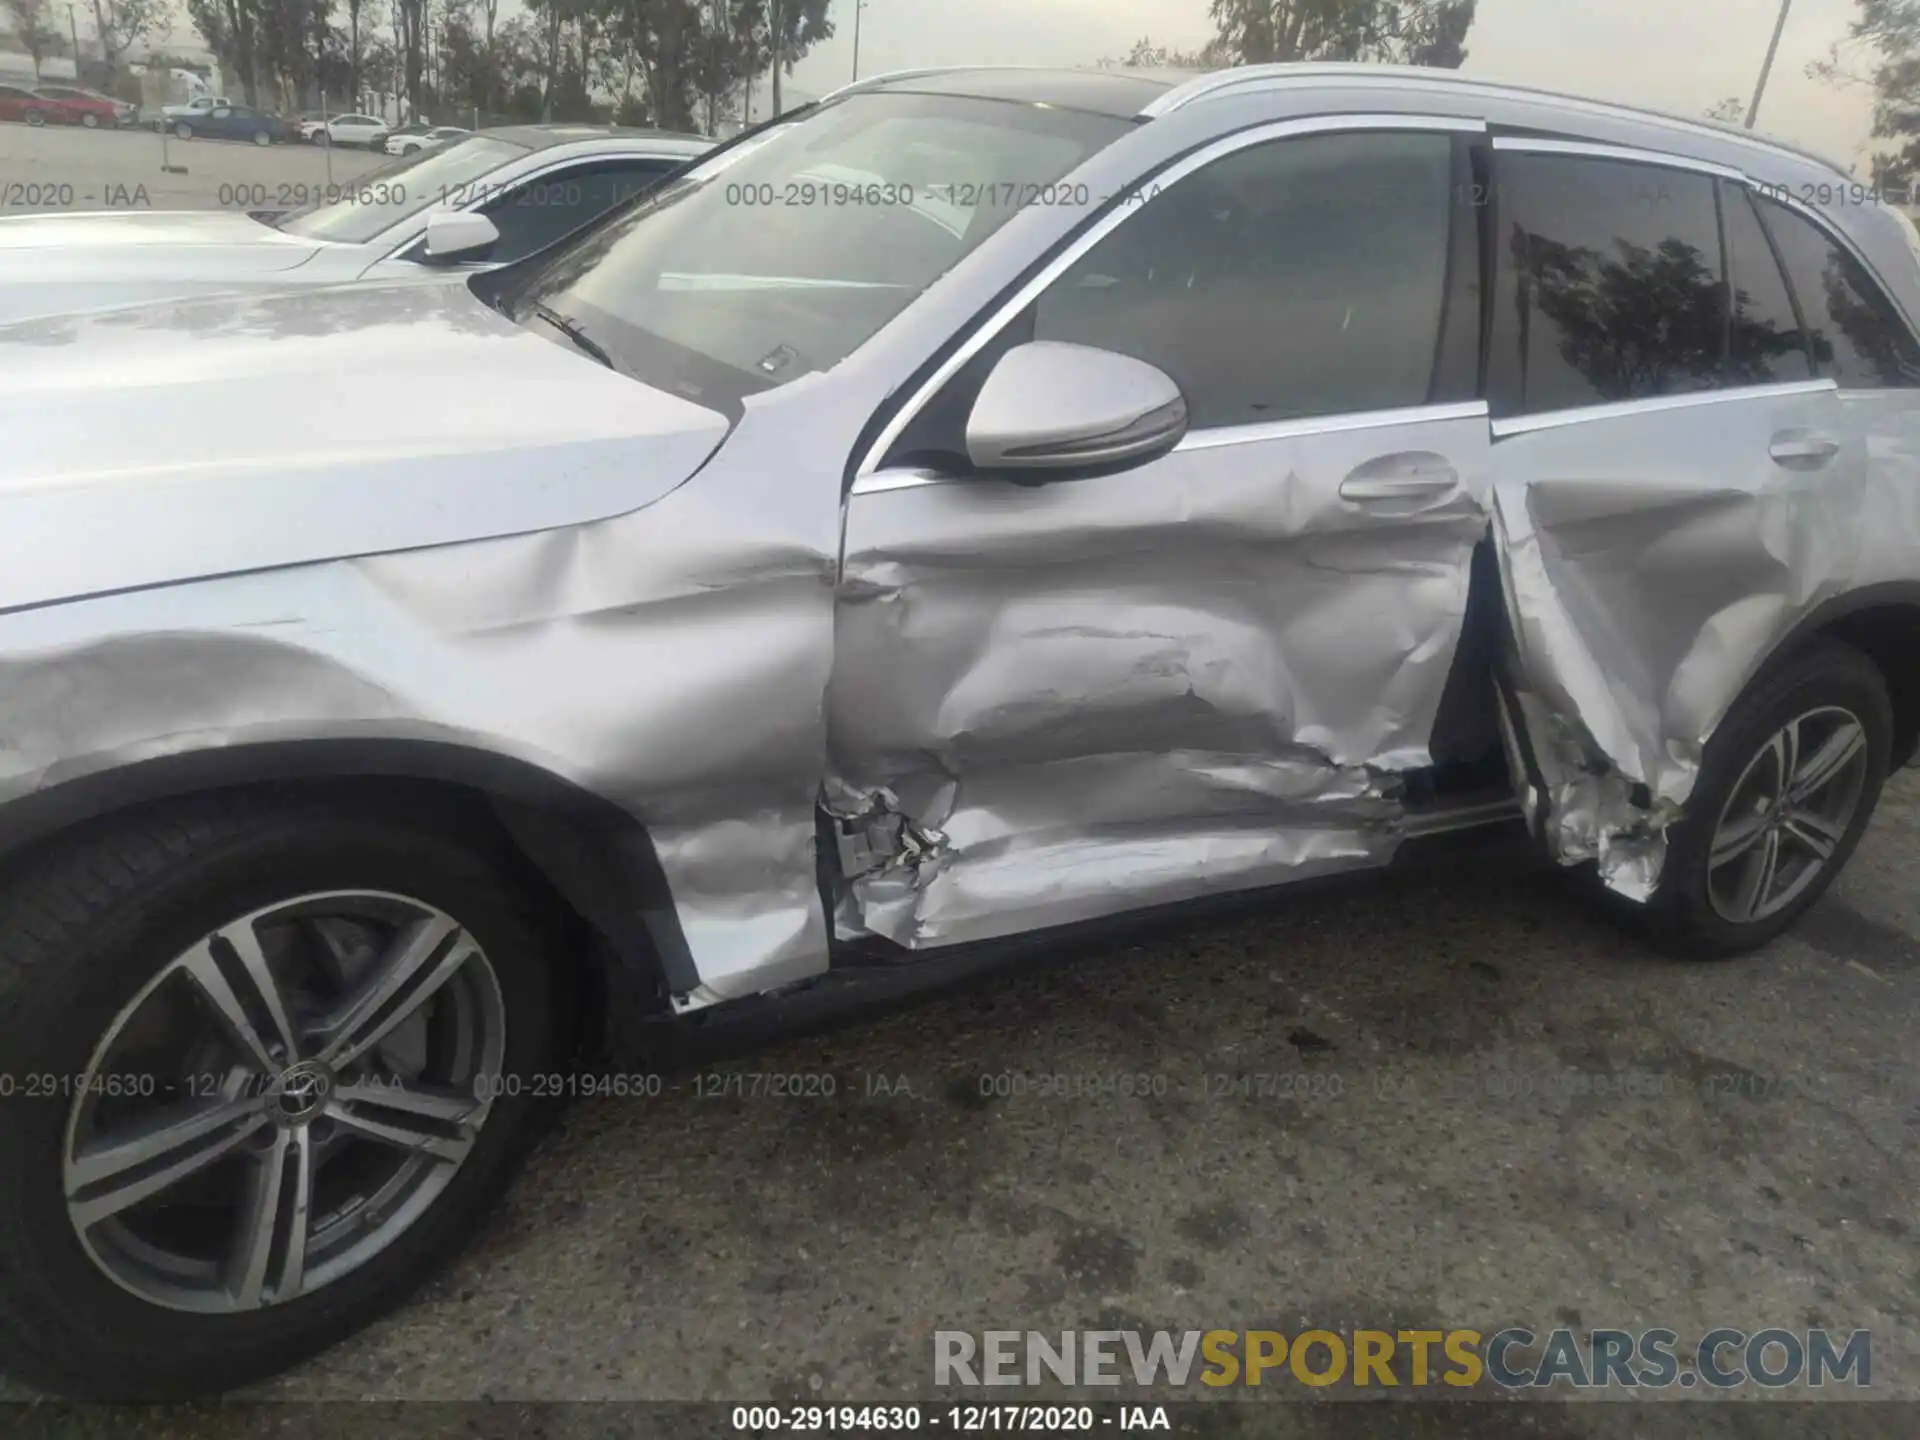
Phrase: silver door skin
[1656,553]
[1204,674]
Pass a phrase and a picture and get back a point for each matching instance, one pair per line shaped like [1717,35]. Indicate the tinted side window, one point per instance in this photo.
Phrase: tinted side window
[1609,283]
[538,213]
[1297,278]
[1766,343]
[1857,337]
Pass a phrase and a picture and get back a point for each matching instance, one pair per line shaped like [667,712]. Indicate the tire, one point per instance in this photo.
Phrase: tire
[90,120]
[36,117]
[182,130]
[85,932]
[261,137]
[1826,687]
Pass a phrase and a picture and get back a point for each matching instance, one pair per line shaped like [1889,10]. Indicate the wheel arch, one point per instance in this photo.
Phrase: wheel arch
[589,857]
[1883,622]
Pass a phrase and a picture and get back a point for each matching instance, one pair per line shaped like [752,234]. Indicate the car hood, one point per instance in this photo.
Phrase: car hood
[59,264]
[163,443]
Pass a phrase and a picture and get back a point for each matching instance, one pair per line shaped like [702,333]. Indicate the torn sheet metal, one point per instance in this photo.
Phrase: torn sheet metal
[1199,676]
[1654,557]
[661,639]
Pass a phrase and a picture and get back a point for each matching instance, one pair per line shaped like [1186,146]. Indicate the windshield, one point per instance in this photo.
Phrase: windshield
[357,210]
[783,255]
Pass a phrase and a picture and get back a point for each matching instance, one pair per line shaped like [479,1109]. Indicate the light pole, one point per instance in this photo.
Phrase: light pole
[73,28]
[858,6]
[1766,66]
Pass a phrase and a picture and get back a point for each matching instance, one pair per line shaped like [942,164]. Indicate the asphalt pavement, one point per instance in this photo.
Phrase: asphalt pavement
[66,168]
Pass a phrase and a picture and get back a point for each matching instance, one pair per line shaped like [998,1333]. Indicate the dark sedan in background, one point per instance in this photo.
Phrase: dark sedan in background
[235,122]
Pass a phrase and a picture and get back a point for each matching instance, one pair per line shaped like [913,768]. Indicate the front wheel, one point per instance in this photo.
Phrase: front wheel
[36,117]
[254,1057]
[261,137]
[90,120]
[1786,788]
[183,131]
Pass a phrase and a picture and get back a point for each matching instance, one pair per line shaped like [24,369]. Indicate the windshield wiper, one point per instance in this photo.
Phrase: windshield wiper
[571,329]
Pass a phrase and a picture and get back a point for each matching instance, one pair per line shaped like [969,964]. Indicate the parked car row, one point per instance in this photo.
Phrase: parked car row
[485,199]
[980,506]
[217,117]
[65,105]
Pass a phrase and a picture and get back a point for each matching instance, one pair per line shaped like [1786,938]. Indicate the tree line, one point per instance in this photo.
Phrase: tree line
[678,64]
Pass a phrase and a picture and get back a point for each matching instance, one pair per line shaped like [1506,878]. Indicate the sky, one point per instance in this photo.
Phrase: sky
[1677,55]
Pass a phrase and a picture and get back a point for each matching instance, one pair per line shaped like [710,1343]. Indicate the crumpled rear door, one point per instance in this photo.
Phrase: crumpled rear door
[1651,558]
[1678,483]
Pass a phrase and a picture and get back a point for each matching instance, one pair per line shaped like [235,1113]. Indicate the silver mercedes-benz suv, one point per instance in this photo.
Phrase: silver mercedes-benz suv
[980,505]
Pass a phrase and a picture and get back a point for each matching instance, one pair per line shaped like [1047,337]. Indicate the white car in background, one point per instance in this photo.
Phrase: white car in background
[487,199]
[365,131]
[188,109]
[412,144]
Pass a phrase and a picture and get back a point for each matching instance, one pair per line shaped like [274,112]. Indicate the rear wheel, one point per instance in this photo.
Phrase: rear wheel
[90,120]
[264,1065]
[36,117]
[261,137]
[1786,789]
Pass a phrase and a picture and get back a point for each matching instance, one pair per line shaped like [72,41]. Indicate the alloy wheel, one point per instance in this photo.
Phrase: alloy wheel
[1787,815]
[283,1101]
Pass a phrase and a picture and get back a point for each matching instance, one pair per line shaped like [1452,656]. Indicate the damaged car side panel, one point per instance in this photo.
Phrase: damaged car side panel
[1200,676]
[670,660]
[1658,551]
[1652,557]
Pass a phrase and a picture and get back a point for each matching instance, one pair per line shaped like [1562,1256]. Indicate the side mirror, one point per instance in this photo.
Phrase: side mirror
[455,235]
[1049,406]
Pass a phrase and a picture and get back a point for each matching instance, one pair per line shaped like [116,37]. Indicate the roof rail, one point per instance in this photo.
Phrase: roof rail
[885,76]
[1283,74]
[892,75]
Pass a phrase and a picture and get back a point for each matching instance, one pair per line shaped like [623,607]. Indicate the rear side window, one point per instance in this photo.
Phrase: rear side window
[1767,345]
[1857,336]
[1297,278]
[1609,283]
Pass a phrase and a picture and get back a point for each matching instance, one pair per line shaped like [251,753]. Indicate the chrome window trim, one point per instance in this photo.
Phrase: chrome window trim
[880,482]
[1338,423]
[1617,409]
[1625,154]
[989,329]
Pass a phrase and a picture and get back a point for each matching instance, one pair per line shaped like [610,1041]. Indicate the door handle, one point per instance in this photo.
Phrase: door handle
[1802,449]
[1400,477]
